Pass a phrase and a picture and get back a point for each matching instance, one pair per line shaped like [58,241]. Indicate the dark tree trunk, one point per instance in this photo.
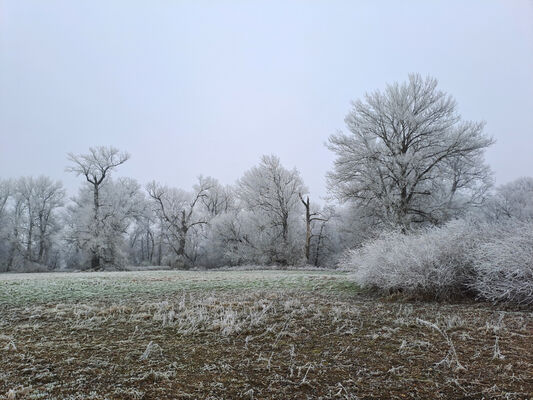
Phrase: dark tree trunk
[160,246]
[307,246]
[30,240]
[42,235]
[183,234]
[151,252]
[95,260]
[318,244]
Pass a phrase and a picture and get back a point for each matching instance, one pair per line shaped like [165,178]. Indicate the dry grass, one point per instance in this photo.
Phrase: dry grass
[250,335]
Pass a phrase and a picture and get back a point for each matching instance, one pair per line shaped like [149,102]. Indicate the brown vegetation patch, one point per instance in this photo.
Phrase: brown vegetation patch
[259,344]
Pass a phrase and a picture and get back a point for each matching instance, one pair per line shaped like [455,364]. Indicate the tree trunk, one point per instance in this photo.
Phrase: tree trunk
[14,239]
[183,234]
[160,244]
[151,252]
[318,244]
[307,246]
[142,248]
[402,212]
[42,245]
[30,240]
[95,261]
[12,251]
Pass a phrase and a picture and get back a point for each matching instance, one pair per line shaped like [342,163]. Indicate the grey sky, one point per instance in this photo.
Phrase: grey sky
[194,87]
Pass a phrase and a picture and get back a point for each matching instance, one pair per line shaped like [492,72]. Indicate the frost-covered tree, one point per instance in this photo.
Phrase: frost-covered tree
[217,198]
[339,228]
[120,204]
[512,200]
[318,242]
[28,221]
[181,216]
[96,167]
[42,197]
[6,192]
[313,216]
[16,226]
[221,245]
[409,157]
[269,194]
[143,238]
[25,188]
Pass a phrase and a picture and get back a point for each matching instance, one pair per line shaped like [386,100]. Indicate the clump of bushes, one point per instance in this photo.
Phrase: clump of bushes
[504,264]
[463,258]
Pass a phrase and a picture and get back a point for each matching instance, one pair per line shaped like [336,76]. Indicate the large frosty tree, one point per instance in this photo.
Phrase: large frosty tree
[409,157]
[96,167]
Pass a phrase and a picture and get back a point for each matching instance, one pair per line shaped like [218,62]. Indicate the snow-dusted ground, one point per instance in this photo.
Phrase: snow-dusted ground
[70,286]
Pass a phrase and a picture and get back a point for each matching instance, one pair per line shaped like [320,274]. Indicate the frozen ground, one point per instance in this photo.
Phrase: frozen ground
[251,335]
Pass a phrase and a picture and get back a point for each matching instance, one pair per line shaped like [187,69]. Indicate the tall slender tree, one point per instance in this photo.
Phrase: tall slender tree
[96,166]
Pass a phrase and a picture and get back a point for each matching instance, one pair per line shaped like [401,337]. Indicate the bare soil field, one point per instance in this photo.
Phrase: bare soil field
[250,335]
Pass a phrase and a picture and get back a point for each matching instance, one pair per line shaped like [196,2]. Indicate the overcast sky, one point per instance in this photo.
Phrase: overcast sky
[191,87]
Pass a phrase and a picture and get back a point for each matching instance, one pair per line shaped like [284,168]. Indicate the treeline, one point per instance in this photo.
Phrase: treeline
[408,162]
[265,218]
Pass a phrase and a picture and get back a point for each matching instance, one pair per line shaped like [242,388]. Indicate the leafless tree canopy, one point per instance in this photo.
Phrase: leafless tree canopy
[272,189]
[97,164]
[178,211]
[408,156]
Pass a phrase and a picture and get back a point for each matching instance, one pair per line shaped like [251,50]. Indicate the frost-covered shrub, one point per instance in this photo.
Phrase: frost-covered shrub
[504,264]
[490,261]
[433,262]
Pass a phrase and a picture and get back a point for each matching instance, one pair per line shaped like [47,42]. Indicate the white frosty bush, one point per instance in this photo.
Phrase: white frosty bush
[493,262]
[504,264]
[431,262]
